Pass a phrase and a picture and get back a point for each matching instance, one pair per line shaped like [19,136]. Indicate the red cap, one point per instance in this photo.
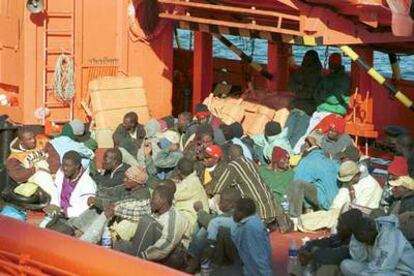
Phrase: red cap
[278,153]
[335,59]
[214,151]
[398,166]
[338,124]
[334,122]
[201,114]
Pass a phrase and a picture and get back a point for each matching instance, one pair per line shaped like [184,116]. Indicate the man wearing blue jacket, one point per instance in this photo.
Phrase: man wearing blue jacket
[315,179]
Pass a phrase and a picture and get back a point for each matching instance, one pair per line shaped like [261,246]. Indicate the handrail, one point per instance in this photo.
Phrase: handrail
[248,26]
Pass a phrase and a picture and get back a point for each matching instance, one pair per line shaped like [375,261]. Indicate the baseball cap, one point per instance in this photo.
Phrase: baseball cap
[347,171]
[404,181]
[214,151]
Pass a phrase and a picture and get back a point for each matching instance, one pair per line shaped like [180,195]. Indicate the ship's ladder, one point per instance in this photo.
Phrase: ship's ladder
[58,40]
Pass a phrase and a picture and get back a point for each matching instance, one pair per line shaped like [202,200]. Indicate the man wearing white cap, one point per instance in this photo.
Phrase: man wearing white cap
[363,192]
[166,160]
[403,207]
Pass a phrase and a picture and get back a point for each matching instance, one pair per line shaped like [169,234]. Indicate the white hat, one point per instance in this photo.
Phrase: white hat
[347,171]
[171,136]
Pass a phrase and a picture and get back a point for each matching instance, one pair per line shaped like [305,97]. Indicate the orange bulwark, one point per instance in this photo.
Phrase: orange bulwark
[29,250]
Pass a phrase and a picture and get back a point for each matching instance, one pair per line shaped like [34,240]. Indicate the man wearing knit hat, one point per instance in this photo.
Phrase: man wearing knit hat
[397,168]
[273,136]
[278,175]
[109,202]
[335,139]
[204,116]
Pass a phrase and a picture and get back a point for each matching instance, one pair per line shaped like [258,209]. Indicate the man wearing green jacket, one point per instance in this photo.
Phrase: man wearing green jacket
[332,94]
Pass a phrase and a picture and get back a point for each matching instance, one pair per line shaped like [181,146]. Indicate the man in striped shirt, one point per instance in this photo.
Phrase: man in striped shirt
[162,237]
[243,175]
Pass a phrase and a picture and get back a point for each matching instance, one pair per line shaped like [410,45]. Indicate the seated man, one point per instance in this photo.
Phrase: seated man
[213,166]
[162,237]
[403,207]
[378,248]
[243,175]
[397,168]
[189,190]
[240,138]
[166,160]
[32,160]
[405,147]
[335,140]
[230,135]
[204,116]
[187,128]
[278,175]
[273,136]
[68,140]
[73,187]
[133,188]
[113,169]
[363,193]
[324,256]
[130,134]
[251,239]
[203,138]
[153,133]
[315,179]
[204,244]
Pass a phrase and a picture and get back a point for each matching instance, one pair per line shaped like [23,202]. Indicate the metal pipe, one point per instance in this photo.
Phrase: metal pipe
[244,57]
[394,91]
[395,66]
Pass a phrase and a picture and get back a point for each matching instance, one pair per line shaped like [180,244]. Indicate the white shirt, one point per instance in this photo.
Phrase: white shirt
[367,195]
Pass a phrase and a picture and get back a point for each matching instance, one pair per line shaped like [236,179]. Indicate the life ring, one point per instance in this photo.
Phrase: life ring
[136,32]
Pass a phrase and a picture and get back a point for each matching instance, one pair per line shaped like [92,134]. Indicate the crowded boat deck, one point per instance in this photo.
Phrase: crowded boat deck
[124,153]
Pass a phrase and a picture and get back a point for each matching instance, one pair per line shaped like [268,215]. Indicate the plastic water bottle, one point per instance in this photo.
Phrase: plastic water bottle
[45,221]
[206,269]
[106,238]
[293,257]
[285,204]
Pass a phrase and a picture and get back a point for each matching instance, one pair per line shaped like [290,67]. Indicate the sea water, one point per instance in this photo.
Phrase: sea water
[257,48]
